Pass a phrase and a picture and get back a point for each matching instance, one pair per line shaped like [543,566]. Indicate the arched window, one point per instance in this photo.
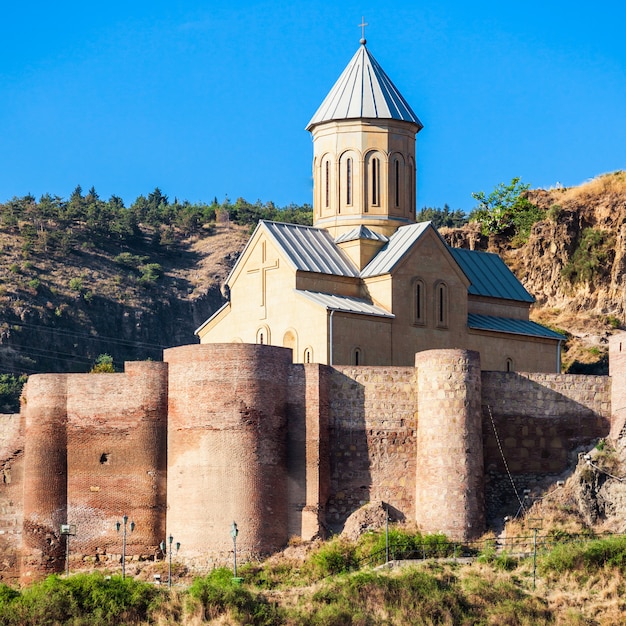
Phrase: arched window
[327,183]
[349,181]
[397,181]
[441,305]
[509,365]
[419,295]
[357,356]
[308,355]
[375,181]
[263,335]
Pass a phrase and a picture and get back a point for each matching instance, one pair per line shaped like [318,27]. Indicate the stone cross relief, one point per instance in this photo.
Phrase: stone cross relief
[263,268]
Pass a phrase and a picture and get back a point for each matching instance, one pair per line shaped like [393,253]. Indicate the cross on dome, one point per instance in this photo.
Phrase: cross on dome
[362,26]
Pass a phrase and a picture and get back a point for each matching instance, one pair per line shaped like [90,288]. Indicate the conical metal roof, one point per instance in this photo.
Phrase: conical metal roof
[364,91]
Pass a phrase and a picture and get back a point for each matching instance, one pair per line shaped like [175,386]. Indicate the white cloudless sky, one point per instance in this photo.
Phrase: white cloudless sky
[209,99]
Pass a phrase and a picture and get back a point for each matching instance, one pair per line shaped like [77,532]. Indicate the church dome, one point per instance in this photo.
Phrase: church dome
[364,91]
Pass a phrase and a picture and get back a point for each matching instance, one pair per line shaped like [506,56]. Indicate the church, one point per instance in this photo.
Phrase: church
[366,284]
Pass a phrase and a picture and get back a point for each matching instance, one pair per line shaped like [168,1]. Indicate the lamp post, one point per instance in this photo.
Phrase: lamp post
[165,551]
[118,526]
[234,531]
[69,530]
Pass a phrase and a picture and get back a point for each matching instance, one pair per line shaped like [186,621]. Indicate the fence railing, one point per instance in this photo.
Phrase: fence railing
[519,547]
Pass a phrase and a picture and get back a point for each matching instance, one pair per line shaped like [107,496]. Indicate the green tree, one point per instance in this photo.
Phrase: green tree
[506,210]
[103,365]
[442,217]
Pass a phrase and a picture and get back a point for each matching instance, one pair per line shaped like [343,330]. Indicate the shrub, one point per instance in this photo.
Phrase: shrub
[76,283]
[103,365]
[590,257]
[218,593]
[334,557]
[79,599]
[587,557]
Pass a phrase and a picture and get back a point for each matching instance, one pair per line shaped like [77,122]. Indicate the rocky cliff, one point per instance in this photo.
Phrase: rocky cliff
[574,263]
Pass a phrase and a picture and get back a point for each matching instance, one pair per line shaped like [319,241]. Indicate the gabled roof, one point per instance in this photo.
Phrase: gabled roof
[489,275]
[307,248]
[392,253]
[345,304]
[361,232]
[509,325]
[364,91]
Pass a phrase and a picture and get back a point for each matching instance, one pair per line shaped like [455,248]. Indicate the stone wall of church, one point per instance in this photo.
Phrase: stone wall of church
[281,449]
[372,427]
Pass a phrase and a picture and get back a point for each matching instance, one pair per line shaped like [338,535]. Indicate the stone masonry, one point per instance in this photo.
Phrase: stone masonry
[236,432]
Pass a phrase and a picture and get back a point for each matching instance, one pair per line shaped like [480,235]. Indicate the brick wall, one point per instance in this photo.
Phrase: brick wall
[116,459]
[540,417]
[45,475]
[11,494]
[227,449]
[372,426]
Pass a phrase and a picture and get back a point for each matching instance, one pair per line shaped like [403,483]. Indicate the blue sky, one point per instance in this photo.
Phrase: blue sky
[206,99]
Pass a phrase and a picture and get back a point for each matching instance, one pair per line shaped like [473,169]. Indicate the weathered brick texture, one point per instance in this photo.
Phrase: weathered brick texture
[236,432]
[45,475]
[449,486]
[11,493]
[227,448]
[372,425]
[540,417]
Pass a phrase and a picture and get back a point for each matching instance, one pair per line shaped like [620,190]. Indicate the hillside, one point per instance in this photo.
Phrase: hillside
[574,263]
[84,277]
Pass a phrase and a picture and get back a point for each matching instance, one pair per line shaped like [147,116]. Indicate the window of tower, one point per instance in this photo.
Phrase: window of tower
[397,172]
[349,181]
[375,180]
[327,183]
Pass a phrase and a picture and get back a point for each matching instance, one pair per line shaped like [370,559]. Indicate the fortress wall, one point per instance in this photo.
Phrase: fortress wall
[227,457]
[116,438]
[45,475]
[373,421]
[307,450]
[11,494]
[617,371]
[449,485]
[540,418]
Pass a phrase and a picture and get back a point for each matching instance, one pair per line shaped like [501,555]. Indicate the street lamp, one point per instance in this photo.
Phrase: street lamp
[164,551]
[234,531]
[69,530]
[118,525]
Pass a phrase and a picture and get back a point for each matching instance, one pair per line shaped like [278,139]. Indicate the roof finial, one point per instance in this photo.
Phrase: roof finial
[362,25]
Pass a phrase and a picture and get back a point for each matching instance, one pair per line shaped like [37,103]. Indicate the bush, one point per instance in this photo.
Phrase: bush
[586,557]
[79,599]
[10,391]
[218,593]
[590,257]
[334,557]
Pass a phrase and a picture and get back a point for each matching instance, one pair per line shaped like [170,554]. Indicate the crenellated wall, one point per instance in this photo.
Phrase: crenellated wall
[236,432]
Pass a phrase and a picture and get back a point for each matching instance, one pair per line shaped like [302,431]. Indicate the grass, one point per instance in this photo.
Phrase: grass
[579,583]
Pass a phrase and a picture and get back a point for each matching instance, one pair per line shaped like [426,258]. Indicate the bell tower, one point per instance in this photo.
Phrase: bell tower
[364,152]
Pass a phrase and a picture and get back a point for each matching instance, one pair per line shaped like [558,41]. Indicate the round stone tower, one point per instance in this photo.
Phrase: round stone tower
[45,475]
[227,449]
[450,472]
